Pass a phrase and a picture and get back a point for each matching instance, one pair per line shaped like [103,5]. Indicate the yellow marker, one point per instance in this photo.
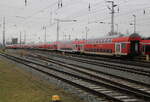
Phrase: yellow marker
[55,98]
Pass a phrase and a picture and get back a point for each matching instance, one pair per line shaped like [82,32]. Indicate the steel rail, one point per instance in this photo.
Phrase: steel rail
[138,93]
[109,65]
[88,89]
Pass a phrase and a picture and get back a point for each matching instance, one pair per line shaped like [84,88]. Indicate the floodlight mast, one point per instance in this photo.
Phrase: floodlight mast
[58,27]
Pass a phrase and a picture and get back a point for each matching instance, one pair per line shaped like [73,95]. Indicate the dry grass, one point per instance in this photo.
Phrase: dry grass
[17,86]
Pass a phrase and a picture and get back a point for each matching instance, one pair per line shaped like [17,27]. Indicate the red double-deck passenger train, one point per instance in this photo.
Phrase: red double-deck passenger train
[117,45]
[126,45]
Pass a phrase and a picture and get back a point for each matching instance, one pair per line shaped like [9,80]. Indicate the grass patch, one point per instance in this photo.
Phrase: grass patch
[17,86]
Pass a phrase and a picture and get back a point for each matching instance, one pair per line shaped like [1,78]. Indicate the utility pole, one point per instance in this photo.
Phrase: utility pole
[117,28]
[51,17]
[45,35]
[20,39]
[4,32]
[134,23]
[44,27]
[112,16]
[25,2]
[86,31]
[69,37]
[57,30]
[24,37]
[65,36]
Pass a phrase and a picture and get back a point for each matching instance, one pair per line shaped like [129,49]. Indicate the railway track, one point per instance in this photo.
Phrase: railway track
[60,62]
[128,68]
[121,60]
[132,72]
[117,66]
[129,61]
[91,85]
[95,75]
[133,75]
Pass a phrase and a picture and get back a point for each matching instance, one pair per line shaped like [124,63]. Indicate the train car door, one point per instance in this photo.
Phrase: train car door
[82,47]
[117,48]
[134,47]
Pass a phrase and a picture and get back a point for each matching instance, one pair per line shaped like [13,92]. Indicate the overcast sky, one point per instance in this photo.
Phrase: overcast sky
[39,13]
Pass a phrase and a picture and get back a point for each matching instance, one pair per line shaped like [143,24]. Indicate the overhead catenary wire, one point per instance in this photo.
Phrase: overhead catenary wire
[93,9]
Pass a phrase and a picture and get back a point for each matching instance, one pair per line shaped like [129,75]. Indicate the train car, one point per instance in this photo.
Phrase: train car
[78,46]
[129,45]
[26,46]
[145,47]
[54,45]
[16,46]
[123,45]
[9,46]
[49,46]
[100,46]
[65,46]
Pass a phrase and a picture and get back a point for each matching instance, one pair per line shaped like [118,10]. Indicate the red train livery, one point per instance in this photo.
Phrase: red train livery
[120,45]
[128,45]
[145,47]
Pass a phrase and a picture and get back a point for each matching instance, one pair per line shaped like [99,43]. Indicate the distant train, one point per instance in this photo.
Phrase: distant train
[131,45]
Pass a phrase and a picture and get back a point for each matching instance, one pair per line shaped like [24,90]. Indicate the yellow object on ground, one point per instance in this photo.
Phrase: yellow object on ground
[55,98]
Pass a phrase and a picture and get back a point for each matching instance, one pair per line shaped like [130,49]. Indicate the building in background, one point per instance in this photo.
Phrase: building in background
[14,41]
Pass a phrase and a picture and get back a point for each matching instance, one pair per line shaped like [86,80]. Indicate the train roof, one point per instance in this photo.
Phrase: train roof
[78,41]
[148,38]
[106,37]
[127,38]
[118,36]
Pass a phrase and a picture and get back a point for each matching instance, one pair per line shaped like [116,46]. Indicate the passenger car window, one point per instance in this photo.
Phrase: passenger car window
[123,45]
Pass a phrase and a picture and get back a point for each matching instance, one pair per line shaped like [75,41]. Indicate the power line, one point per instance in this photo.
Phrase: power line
[39,11]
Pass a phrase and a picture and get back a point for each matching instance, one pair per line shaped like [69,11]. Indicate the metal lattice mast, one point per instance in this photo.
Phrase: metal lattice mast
[112,16]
